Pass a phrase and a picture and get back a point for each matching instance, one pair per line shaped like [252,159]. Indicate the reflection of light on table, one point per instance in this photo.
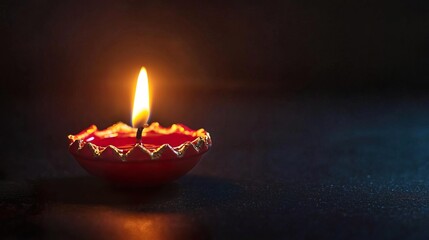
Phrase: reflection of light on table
[87,222]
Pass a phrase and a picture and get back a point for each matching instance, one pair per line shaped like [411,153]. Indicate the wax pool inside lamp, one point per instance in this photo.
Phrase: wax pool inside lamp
[126,141]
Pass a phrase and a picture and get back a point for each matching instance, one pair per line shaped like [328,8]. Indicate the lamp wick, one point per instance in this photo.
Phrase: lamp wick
[139,133]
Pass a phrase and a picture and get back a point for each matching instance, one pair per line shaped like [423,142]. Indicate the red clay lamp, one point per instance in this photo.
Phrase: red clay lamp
[142,155]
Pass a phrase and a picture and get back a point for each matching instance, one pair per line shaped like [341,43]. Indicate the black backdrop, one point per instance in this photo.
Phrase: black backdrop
[50,45]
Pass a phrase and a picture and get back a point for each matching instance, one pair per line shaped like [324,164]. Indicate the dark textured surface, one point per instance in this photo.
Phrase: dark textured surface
[281,167]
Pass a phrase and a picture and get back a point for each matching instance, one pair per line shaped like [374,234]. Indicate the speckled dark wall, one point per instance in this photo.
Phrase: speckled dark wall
[300,44]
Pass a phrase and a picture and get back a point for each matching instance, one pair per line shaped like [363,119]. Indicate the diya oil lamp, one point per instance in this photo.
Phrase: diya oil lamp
[142,155]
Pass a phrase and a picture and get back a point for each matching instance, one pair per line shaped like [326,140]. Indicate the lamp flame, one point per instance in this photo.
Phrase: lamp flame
[141,108]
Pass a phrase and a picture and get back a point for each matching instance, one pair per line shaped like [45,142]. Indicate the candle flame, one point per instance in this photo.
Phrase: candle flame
[141,108]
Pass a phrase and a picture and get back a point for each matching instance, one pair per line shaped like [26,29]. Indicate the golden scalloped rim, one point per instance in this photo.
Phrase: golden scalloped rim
[200,144]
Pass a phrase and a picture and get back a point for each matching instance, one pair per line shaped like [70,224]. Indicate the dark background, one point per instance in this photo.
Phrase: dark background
[317,109]
[56,46]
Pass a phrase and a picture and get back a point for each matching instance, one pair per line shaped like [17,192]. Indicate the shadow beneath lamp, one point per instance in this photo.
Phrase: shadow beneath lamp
[87,208]
[183,195]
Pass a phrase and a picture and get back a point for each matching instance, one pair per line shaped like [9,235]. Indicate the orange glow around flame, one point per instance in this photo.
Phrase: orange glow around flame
[141,108]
